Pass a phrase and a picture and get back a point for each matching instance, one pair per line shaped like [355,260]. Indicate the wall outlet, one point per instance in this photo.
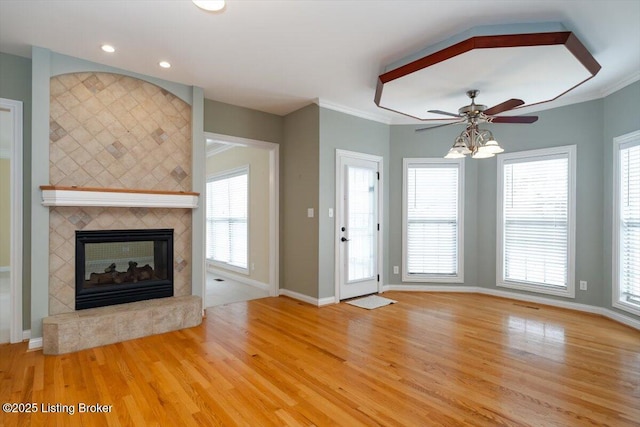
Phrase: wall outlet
[310,213]
[396,270]
[253,266]
[583,285]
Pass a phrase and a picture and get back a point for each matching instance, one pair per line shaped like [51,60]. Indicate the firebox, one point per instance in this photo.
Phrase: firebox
[120,266]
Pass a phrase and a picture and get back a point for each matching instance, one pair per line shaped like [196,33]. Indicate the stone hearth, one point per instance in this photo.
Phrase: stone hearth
[94,327]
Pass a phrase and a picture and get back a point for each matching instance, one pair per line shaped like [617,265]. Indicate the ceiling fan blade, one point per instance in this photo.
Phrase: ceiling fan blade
[505,106]
[514,119]
[446,113]
[439,126]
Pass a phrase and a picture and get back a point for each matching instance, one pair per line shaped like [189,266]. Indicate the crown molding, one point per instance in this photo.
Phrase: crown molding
[352,111]
[634,77]
[212,151]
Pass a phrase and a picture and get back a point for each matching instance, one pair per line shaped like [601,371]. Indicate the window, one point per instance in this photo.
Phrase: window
[227,213]
[626,230]
[432,220]
[536,215]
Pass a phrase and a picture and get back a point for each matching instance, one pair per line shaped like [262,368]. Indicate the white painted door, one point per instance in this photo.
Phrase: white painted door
[358,226]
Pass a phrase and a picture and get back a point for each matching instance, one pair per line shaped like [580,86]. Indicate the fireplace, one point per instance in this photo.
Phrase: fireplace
[120,266]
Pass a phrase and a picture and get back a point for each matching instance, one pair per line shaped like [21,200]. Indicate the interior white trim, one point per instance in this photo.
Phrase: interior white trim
[458,278]
[615,235]
[274,201]
[634,77]
[60,197]
[318,302]
[35,343]
[571,152]
[15,264]
[211,151]
[340,155]
[230,173]
[613,315]
[5,153]
[26,334]
[323,103]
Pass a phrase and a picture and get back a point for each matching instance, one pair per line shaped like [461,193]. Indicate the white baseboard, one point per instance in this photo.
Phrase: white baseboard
[35,343]
[610,314]
[26,334]
[621,318]
[4,268]
[306,298]
[428,288]
[239,278]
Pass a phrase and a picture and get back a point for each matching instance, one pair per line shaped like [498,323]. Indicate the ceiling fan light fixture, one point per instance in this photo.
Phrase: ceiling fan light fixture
[492,146]
[454,154]
[482,153]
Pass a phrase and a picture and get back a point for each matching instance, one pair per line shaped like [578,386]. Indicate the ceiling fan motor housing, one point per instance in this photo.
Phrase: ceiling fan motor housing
[473,109]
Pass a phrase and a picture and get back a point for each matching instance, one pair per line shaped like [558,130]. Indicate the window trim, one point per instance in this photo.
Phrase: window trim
[230,173]
[433,278]
[570,151]
[624,141]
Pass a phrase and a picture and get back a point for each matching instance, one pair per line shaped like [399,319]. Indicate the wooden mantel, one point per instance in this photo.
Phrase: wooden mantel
[54,195]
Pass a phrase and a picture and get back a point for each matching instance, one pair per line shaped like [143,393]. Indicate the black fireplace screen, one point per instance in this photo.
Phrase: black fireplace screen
[119,266]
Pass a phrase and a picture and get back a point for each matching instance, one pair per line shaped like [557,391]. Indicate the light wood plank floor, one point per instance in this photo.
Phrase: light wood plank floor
[431,359]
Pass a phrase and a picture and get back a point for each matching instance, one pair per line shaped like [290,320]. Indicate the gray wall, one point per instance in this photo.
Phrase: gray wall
[227,119]
[308,139]
[579,124]
[15,83]
[591,126]
[299,187]
[345,132]
[621,116]
[405,143]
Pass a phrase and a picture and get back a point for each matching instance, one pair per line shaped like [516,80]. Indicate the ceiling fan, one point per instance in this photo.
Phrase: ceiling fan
[480,143]
[478,113]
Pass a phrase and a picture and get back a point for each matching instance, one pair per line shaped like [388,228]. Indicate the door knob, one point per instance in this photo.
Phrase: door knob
[344,239]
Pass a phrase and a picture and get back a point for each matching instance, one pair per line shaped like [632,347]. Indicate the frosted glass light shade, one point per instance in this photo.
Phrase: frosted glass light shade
[482,153]
[492,146]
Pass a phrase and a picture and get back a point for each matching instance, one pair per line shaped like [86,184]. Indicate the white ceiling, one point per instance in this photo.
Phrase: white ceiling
[278,56]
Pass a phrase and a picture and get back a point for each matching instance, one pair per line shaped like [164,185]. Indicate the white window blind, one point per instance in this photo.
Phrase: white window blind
[433,220]
[535,232]
[227,213]
[629,224]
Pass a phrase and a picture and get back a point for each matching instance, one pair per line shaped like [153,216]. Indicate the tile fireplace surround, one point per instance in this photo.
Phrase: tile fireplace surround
[115,134]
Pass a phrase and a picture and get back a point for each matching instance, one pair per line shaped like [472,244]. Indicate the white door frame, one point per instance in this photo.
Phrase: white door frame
[15,265]
[340,155]
[274,210]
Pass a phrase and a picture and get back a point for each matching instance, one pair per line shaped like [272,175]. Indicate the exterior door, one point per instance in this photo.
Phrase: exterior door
[358,226]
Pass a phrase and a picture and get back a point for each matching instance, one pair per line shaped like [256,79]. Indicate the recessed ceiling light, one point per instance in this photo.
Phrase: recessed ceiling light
[164,64]
[210,5]
[108,48]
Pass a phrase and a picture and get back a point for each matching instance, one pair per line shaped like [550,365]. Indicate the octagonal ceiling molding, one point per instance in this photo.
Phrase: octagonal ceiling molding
[535,66]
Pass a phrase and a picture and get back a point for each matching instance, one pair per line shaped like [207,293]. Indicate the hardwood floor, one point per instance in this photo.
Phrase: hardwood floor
[430,359]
